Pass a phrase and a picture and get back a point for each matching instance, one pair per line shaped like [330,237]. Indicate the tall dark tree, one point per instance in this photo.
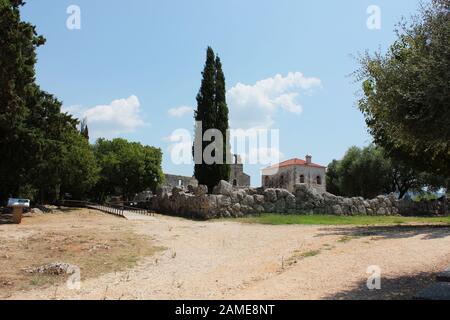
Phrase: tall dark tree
[212,112]
[84,130]
[222,123]
[18,42]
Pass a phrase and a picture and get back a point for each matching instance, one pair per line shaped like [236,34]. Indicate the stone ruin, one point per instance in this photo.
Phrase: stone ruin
[227,201]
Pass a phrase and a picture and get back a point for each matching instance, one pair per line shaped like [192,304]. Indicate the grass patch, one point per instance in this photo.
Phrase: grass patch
[309,254]
[300,255]
[345,239]
[273,219]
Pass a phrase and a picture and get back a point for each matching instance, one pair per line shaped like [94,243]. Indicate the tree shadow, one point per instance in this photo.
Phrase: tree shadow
[399,288]
[427,232]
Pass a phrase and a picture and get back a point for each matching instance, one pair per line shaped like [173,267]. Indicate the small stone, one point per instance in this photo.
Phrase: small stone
[57,268]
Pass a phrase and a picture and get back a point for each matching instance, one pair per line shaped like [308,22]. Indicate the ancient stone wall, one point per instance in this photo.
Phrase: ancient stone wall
[438,207]
[194,202]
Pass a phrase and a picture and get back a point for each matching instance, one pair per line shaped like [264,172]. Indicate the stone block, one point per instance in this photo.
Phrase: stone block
[248,201]
[223,188]
[270,195]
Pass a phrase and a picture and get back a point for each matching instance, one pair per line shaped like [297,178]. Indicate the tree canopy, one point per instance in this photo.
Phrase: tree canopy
[406,99]
[368,172]
[212,111]
[126,168]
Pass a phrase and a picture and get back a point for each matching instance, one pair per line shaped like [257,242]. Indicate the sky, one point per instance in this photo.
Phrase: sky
[133,68]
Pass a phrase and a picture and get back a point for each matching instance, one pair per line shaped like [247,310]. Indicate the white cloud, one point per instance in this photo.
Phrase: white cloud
[73,110]
[254,106]
[111,120]
[179,111]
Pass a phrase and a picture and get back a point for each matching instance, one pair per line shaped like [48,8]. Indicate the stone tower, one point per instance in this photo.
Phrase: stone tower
[237,176]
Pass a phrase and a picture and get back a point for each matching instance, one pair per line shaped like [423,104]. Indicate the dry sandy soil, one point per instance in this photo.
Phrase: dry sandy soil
[172,258]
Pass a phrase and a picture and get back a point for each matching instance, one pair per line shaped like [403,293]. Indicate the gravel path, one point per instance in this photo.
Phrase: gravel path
[229,260]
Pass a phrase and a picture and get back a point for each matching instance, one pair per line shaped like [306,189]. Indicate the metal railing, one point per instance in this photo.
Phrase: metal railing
[128,208]
[111,208]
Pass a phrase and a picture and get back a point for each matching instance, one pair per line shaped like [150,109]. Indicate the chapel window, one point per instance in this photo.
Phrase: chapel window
[319,180]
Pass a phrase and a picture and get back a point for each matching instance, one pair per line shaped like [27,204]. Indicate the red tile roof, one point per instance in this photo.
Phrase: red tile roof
[295,162]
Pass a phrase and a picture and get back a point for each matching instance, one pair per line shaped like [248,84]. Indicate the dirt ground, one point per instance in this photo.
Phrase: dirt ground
[171,258]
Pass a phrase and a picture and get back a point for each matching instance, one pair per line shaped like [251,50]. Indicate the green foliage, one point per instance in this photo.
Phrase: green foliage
[18,41]
[276,219]
[406,99]
[126,168]
[212,111]
[333,178]
[362,172]
[425,197]
[224,170]
[79,169]
[369,172]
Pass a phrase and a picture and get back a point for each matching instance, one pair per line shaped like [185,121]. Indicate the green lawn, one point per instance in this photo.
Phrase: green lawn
[274,219]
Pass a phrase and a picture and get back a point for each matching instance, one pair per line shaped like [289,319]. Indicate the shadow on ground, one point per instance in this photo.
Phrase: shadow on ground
[427,232]
[401,288]
[5,219]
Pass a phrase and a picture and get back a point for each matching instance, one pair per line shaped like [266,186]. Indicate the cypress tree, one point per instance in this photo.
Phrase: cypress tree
[84,130]
[212,111]
[222,121]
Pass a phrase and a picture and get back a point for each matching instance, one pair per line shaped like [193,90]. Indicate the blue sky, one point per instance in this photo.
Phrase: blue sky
[133,61]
